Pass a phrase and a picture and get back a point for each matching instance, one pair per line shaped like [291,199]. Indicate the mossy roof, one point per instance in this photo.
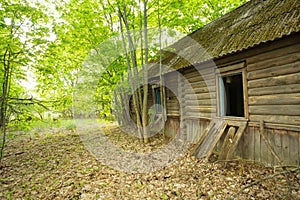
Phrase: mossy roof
[255,22]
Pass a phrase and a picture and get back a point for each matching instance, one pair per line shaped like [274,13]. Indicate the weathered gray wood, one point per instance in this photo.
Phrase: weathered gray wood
[226,143]
[294,147]
[244,144]
[199,90]
[236,140]
[264,152]
[270,136]
[214,133]
[202,102]
[275,71]
[279,119]
[257,143]
[172,126]
[197,109]
[204,83]
[285,147]
[273,81]
[277,99]
[200,96]
[274,61]
[196,115]
[290,110]
[278,89]
[251,143]
[231,67]
[277,146]
[273,54]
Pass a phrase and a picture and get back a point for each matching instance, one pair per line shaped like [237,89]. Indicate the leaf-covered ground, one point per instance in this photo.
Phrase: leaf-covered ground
[56,165]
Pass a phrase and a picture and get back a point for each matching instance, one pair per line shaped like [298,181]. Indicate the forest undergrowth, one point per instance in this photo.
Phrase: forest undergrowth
[54,164]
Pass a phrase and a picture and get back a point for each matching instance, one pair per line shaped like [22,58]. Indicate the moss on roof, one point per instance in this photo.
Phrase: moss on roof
[255,22]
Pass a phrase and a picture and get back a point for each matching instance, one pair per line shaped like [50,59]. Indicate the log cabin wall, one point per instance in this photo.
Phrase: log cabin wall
[273,84]
[273,95]
[172,124]
[198,104]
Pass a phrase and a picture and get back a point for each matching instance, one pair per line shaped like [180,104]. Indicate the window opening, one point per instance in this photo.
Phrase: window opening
[158,100]
[231,95]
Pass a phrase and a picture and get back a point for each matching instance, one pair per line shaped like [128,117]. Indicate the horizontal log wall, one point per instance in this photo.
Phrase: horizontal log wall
[274,86]
[199,92]
[171,89]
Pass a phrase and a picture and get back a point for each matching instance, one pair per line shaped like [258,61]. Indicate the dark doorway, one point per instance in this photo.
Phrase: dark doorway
[231,95]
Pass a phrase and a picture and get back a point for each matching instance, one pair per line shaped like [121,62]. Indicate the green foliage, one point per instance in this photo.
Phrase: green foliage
[53,43]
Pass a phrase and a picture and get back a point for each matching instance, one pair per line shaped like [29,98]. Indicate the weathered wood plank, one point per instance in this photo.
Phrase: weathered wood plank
[263,151]
[235,141]
[278,89]
[202,102]
[294,147]
[274,71]
[279,119]
[274,61]
[273,81]
[226,143]
[290,110]
[277,146]
[196,115]
[199,90]
[204,83]
[251,143]
[285,147]
[197,109]
[270,136]
[214,133]
[231,67]
[244,145]
[172,126]
[257,143]
[277,99]
[200,96]
[275,53]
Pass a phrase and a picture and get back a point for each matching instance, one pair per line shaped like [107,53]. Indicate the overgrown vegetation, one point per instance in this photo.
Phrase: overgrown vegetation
[44,43]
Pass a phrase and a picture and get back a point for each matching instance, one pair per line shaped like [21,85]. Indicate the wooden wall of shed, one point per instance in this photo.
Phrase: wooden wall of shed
[274,86]
[199,92]
[172,126]
[273,83]
[171,90]
[285,143]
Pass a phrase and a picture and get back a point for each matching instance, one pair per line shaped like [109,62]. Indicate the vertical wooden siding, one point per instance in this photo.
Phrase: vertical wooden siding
[285,143]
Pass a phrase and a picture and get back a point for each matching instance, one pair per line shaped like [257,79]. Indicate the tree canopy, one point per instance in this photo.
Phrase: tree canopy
[52,41]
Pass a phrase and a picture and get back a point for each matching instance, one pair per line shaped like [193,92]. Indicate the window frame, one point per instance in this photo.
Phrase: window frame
[227,71]
[154,88]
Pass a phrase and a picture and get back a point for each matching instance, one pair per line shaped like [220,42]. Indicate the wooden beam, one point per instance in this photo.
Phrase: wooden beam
[236,140]
[272,90]
[210,138]
[275,81]
[277,99]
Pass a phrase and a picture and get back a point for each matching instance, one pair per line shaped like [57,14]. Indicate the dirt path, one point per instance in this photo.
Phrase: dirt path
[57,165]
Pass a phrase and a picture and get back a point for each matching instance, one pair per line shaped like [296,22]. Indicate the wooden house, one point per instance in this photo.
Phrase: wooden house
[235,87]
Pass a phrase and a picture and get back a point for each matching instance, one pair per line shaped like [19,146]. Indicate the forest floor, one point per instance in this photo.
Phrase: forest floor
[55,164]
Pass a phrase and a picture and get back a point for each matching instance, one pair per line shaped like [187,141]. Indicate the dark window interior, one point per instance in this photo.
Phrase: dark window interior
[234,95]
[157,99]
